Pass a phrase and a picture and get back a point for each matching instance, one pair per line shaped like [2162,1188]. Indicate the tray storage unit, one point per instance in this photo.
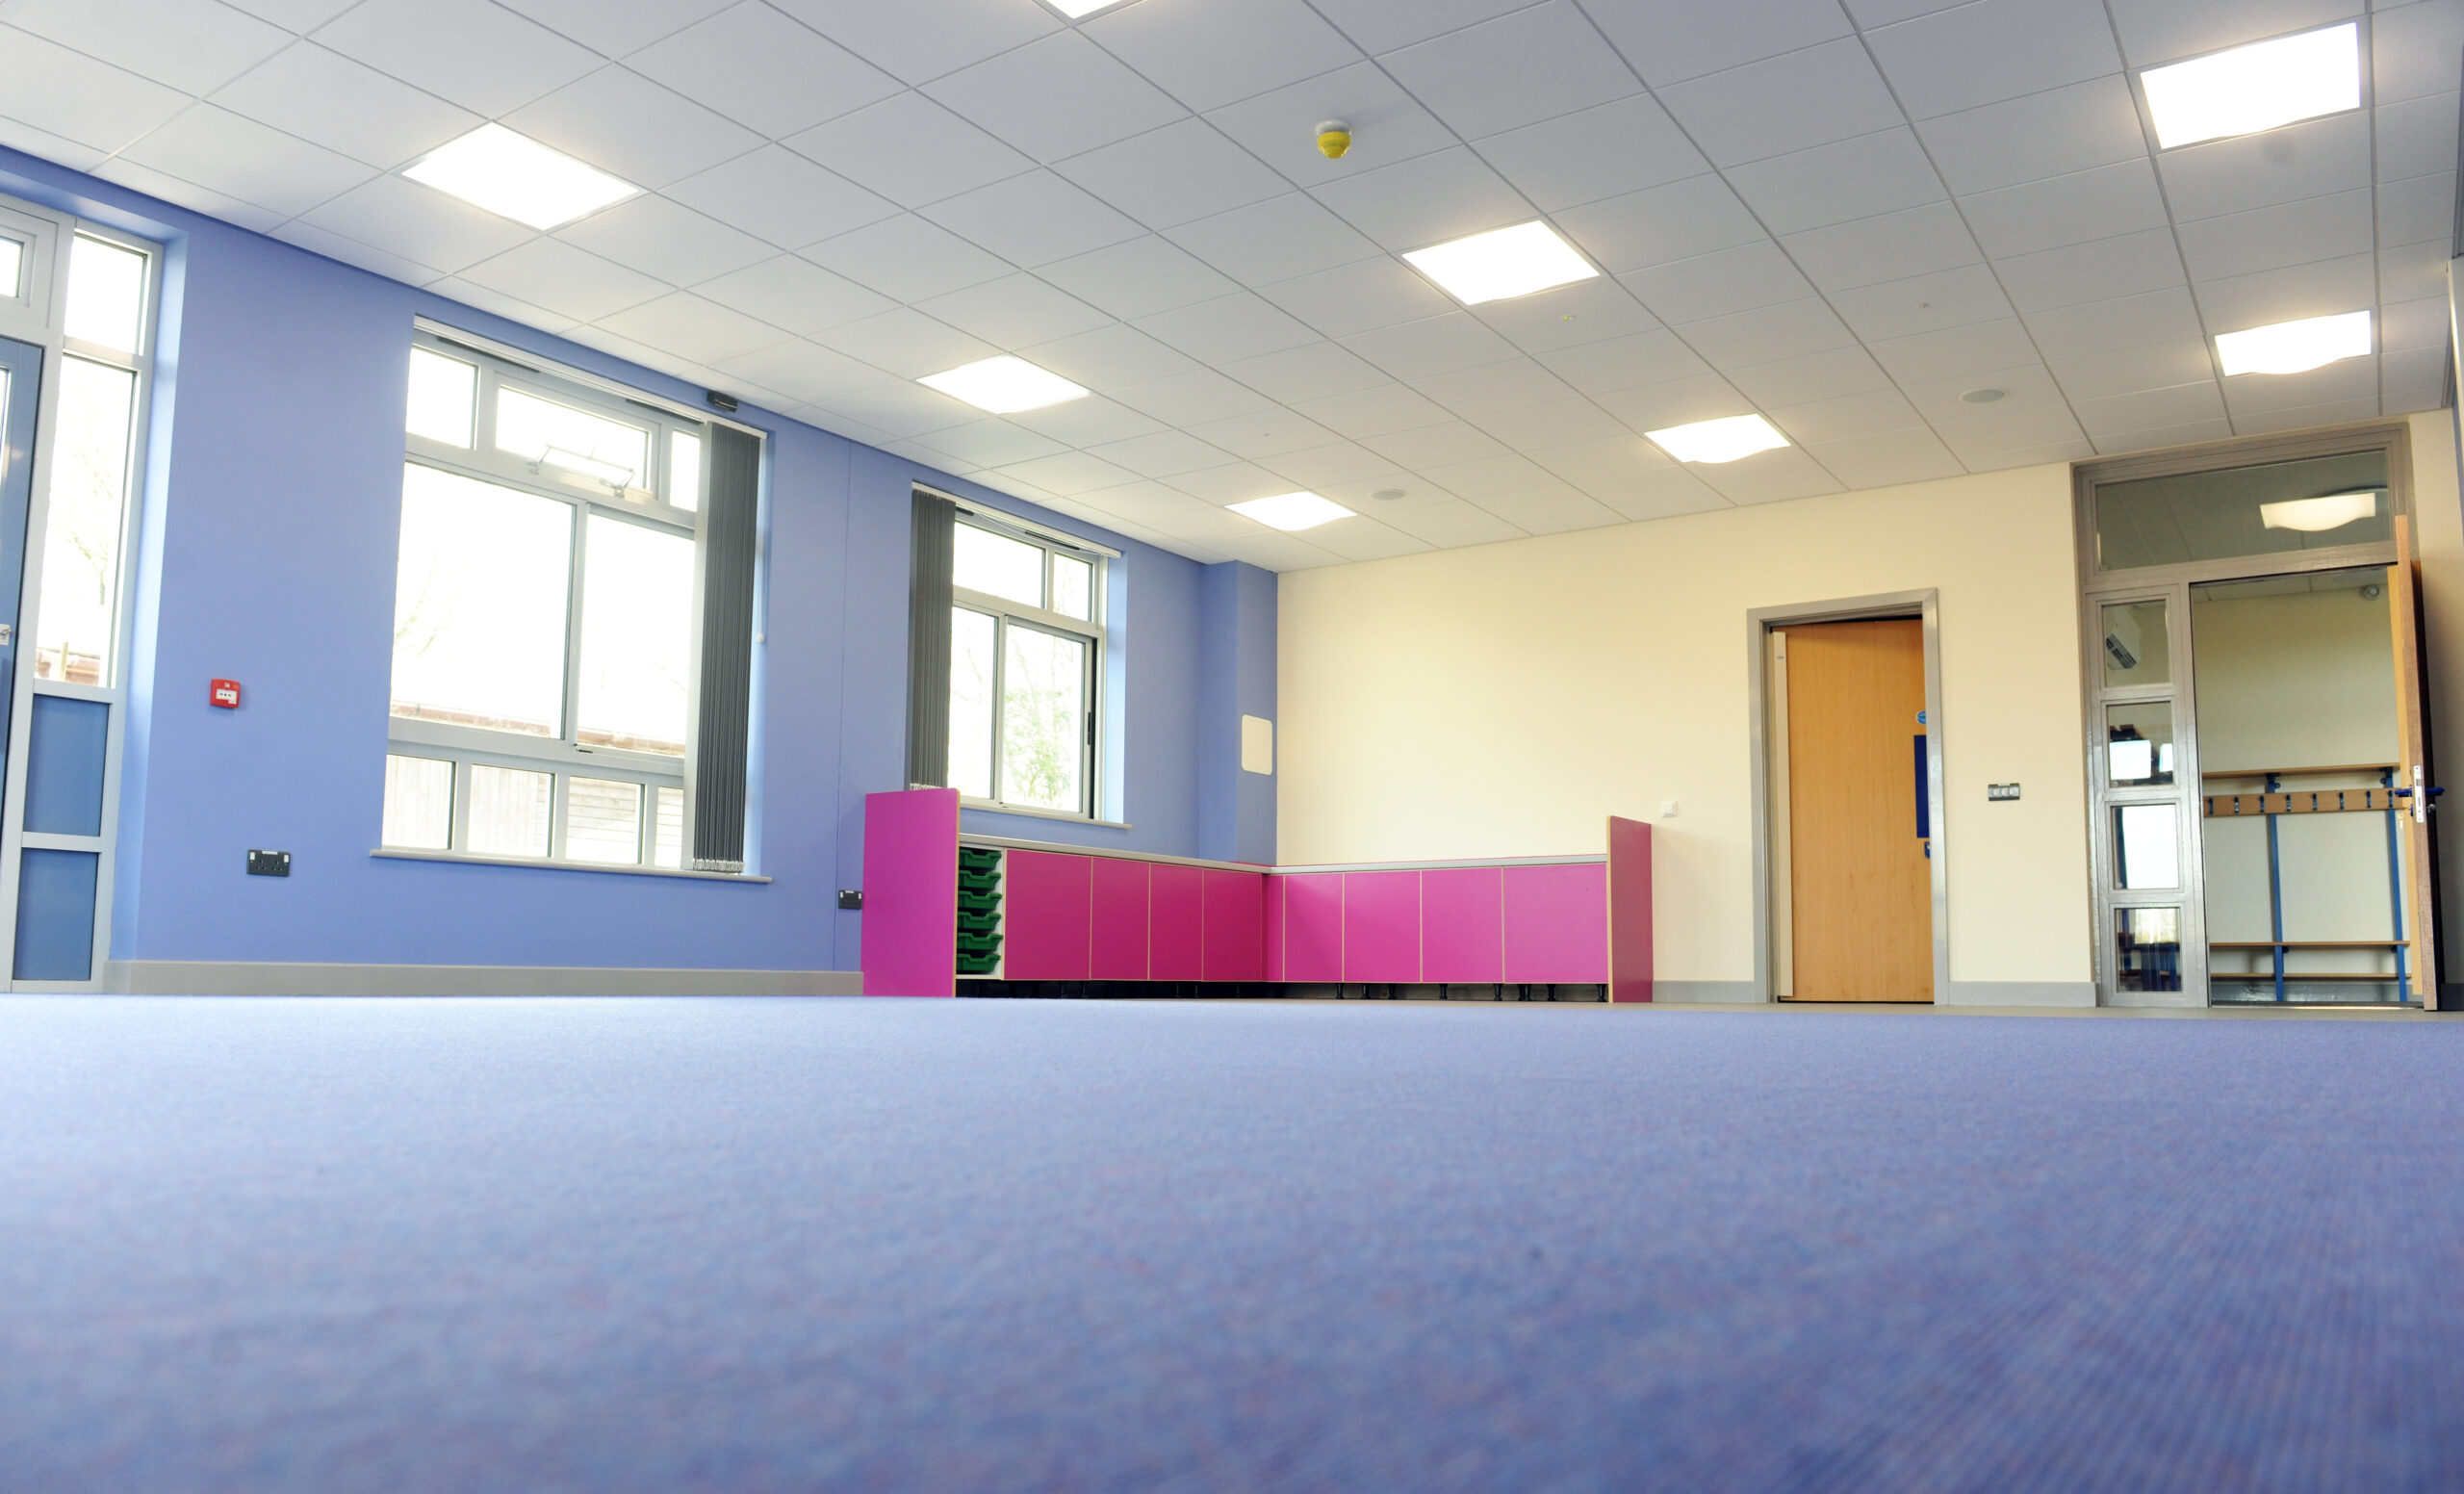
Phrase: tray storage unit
[979,911]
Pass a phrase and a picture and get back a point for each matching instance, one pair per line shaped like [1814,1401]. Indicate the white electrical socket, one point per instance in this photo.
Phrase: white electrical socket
[1668,808]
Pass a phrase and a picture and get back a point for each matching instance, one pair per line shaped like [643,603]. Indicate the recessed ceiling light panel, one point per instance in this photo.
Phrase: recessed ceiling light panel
[1502,262]
[1719,440]
[514,176]
[2255,87]
[1074,8]
[1004,385]
[2318,515]
[2295,346]
[1293,511]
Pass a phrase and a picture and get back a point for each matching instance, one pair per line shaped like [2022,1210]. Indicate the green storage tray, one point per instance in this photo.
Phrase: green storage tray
[979,881]
[978,965]
[978,857]
[978,902]
[987,944]
[978,922]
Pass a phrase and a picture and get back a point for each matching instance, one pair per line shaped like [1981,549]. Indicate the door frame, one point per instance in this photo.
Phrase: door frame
[1926,607]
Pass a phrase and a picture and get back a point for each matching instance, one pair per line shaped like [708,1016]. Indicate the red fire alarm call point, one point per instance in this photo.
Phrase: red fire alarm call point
[226,694]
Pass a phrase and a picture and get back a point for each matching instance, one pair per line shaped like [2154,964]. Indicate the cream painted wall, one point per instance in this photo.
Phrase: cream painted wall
[1502,700]
[2439,538]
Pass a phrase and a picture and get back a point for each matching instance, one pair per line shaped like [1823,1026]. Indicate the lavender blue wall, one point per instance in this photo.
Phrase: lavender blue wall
[267,554]
[1236,809]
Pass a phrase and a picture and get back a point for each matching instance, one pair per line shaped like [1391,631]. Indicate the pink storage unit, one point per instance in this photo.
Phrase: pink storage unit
[1176,922]
[1313,926]
[1274,928]
[1235,934]
[1382,927]
[1463,924]
[1045,916]
[1556,923]
[911,893]
[1119,923]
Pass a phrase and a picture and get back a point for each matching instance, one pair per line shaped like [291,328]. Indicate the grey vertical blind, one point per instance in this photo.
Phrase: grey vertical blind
[731,539]
[928,642]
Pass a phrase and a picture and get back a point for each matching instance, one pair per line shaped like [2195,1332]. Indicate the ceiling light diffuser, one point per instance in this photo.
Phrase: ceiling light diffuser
[2256,87]
[1004,385]
[1719,440]
[2315,515]
[1293,511]
[1074,8]
[2295,346]
[1502,262]
[514,176]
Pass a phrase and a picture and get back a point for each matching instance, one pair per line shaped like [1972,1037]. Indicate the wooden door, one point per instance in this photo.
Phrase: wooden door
[2413,769]
[1860,889]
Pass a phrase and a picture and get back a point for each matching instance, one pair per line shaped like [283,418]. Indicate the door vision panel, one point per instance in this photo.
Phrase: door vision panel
[1859,891]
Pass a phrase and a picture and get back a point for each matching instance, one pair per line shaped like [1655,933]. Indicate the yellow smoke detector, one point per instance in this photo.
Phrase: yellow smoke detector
[1334,138]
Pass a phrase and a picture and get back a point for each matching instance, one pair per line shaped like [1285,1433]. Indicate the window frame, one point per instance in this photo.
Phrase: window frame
[1091,630]
[565,756]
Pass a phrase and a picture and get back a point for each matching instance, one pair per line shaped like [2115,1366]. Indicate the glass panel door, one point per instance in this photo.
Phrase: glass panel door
[2140,772]
[20,388]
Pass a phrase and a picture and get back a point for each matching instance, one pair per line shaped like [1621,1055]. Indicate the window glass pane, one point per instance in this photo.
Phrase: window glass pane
[667,836]
[602,821]
[2136,649]
[1073,587]
[2139,743]
[2147,846]
[12,259]
[418,803]
[444,395]
[106,294]
[82,532]
[2314,504]
[1043,719]
[603,451]
[2147,949]
[997,565]
[510,810]
[480,604]
[971,635]
[637,636]
[685,470]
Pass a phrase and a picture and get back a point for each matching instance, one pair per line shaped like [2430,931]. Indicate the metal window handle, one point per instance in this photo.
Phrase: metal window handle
[8,635]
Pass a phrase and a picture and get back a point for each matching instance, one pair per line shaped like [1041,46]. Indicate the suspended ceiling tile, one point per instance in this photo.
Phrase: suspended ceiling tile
[1179,173]
[1312,371]
[1109,357]
[1873,14]
[1606,463]
[622,122]
[1364,539]
[567,280]
[1279,239]
[1435,445]
[375,261]
[1545,513]
[1768,476]
[1230,327]
[2074,209]
[1845,418]
[2282,236]
[1236,483]
[1511,384]
[1324,467]
[1857,178]
[2256,394]
[1562,422]
[664,238]
[1922,304]
[910,151]
[615,27]
[694,327]
[1056,97]
[1521,69]
[1186,400]
[345,106]
[2265,422]
[2098,376]
[1744,279]
[2312,159]
[809,372]
[1211,55]
[907,343]
[2096,271]
[1979,54]
[753,64]
[1359,297]
[2031,412]
[2412,379]
[1785,104]
[192,46]
[297,16]
[2074,128]
[419,224]
[1955,352]
[1139,278]
[1679,220]
[2408,271]
[1265,433]
[1663,495]
[1889,247]
[1017,311]
[908,259]
[496,302]
[1070,473]
[1485,478]
[1382,26]
[2413,48]
[1280,127]
[2404,325]
[782,197]
[1669,44]
[1089,421]
[1426,200]
[1032,220]
[1626,362]
[475,54]
[1680,401]
[240,158]
[188,194]
[1570,315]
[2416,208]
[1605,151]
[1167,453]
[2076,448]
[795,293]
[2123,322]
[2148,409]
[51,147]
[2158,30]
[2416,137]
[904,409]
[1430,345]
[2324,289]
[1378,411]
[922,40]
[2169,437]
[1833,375]
[1787,330]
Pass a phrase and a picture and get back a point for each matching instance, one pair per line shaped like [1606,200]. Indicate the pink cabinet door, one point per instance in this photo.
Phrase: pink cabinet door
[1463,924]
[1044,907]
[1176,923]
[1382,927]
[1313,927]
[1120,919]
[1556,923]
[1236,925]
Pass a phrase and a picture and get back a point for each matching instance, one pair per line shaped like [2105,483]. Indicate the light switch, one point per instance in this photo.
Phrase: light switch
[2001,791]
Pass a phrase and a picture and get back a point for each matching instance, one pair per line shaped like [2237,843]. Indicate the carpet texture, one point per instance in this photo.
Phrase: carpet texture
[776,1244]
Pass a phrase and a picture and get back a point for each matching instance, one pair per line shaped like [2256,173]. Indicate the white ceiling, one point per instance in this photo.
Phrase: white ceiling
[1840,215]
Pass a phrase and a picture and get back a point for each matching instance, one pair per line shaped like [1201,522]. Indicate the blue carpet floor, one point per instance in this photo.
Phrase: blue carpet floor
[670,1246]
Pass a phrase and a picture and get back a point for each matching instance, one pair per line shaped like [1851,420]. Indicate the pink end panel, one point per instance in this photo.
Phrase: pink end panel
[1381,925]
[1044,916]
[1313,926]
[1556,923]
[1463,924]
[1120,918]
[911,939]
[1236,925]
[1630,909]
[1176,923]
[1274,928]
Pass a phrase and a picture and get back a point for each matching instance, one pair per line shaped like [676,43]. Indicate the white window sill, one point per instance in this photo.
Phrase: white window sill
[542,863]
[991,806]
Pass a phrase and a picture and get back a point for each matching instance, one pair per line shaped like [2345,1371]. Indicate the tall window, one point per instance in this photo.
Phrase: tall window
[543,617]
[1026,625]
[93,463]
